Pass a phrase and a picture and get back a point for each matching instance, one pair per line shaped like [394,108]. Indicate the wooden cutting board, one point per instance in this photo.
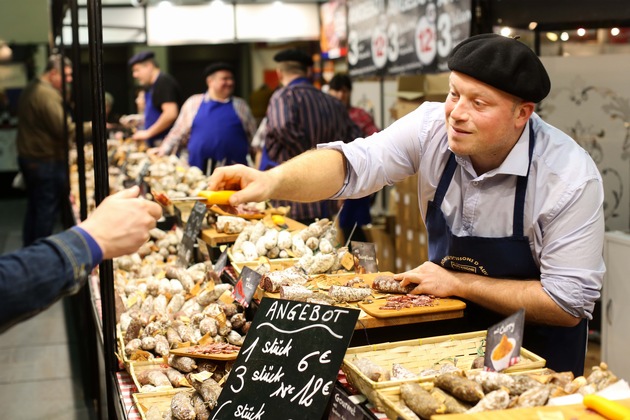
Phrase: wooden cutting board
[443,305]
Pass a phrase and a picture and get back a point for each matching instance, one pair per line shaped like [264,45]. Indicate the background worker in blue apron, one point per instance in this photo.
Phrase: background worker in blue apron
[162,97]
[216,126]
[513,206]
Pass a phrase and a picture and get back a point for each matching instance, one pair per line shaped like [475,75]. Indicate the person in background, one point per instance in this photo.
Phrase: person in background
[298,118]
[513,206]
[35,277]
[354,211]
[216,126]
[135,121]
[42,148]
[162,97]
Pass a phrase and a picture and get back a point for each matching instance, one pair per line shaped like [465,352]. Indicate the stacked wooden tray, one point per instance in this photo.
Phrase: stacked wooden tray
[420,354]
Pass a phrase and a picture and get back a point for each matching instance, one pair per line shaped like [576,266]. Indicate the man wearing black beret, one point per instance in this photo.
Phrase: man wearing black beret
[216,126]
[162,97]
[299,117]
[513,206]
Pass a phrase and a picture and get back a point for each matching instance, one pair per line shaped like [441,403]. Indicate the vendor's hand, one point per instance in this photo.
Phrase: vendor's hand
[121,223]
[141,135]
[431,279]
[254,185]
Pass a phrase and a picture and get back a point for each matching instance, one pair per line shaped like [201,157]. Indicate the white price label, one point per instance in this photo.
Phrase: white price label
[353,48]
[426,42]
[393,47]
[379,48]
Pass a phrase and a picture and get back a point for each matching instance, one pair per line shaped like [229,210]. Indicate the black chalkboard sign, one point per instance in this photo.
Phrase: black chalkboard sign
[246,286]
[288,365]
[191,231]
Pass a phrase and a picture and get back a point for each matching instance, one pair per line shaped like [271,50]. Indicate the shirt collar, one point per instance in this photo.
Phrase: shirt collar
[299,80]
[207,98]
[515,163]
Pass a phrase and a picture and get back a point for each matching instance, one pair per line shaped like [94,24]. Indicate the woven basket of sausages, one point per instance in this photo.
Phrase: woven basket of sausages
[369,368]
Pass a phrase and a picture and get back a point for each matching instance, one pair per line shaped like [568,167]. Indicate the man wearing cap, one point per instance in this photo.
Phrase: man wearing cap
[513,206]
[299,117]
[216,126]
[162,97]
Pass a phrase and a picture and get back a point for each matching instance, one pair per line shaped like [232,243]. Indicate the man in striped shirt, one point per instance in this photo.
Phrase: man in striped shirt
[216,127]
[299,117]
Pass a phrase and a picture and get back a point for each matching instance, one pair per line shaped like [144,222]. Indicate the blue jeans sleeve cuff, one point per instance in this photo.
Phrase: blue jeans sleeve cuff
[95,249]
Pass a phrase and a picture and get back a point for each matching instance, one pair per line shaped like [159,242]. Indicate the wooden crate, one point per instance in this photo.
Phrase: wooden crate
[135,368]
[424,353]
[162,400]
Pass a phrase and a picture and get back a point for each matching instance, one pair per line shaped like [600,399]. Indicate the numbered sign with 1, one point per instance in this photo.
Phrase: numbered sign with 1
[191,231]
[288,365]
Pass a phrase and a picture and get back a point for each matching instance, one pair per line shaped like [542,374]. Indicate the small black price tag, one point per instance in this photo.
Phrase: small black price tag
[288,364]
[343,408]
[364,254]
[191,231]
[246,286]
[221,262]
[203,249]
[503,342]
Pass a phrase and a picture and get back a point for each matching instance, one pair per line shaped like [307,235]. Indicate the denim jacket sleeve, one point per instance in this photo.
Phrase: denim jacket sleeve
[35,277]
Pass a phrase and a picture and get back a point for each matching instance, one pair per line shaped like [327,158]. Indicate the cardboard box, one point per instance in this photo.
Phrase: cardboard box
[413,90]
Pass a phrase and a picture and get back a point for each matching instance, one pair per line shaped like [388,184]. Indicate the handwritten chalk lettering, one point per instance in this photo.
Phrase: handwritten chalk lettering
[283,390]
[505,328]
[276,347]
[323,359]
[240,372]
[268,376]
[306,394]
[247,412]
[302,312]
[249,350]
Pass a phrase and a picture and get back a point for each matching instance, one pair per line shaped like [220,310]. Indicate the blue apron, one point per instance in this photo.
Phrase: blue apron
[151,115]
[507,257]
[217,137]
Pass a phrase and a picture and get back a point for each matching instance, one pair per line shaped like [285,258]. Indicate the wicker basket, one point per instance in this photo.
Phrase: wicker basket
[424,353]
[162,400]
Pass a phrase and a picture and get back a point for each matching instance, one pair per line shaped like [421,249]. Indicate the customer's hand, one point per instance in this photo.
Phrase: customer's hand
[252,185]
[121,223]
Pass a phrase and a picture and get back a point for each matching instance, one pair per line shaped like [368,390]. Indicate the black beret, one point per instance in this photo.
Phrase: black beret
[140,57]
[504,63]
[214,67]
[294,55]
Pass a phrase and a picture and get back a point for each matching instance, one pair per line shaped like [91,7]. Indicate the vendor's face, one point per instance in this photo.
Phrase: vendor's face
[143,73]
[483,122]
[221,84]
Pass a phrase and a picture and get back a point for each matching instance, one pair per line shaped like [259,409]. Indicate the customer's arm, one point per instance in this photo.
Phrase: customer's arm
[35,277]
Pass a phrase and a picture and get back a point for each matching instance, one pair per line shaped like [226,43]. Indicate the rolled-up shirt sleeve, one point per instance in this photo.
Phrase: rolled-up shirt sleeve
[571,261]
[386,157]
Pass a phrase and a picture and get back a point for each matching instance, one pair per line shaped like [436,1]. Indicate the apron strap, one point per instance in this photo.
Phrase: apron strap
[521,188]
[445,180]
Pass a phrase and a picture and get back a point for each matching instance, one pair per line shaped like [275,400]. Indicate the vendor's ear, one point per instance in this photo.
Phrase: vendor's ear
[522,111]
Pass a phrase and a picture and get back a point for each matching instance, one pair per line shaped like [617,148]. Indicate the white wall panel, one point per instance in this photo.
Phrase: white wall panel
[277,21]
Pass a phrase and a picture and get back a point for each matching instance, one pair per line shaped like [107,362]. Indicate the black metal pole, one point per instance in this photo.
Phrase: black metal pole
[101,190]
[78,106]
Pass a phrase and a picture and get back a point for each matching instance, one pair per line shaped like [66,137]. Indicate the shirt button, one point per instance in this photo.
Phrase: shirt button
[475,183]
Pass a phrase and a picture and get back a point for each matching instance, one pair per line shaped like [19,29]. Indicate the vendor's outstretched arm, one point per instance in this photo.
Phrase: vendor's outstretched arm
[312,176]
